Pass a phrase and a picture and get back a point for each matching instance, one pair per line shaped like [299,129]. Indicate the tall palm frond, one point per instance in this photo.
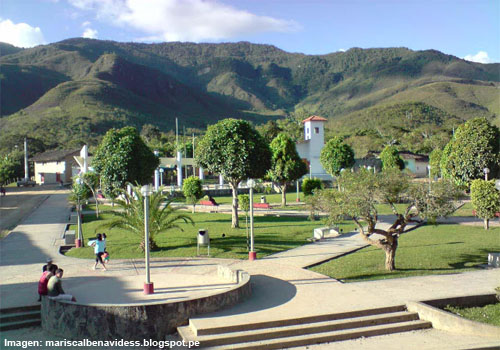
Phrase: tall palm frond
[130,216]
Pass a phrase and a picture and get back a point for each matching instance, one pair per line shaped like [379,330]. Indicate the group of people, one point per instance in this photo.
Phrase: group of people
[50,283]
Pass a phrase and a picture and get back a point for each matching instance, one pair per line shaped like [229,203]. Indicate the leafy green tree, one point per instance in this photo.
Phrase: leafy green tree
[192,190]
[130,217]
[475,146]
[123,157]
[269,130]
[434,161]
[336,155]
[361,191]
[390,158]
[79,193]
[236,150]
[310,185]
[286,165]
[485,200]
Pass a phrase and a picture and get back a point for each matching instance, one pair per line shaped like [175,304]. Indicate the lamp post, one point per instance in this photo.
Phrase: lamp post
[430,178]
[157,172]
[79,240]
[146,192]
[486,172]
[252,255]
[161,176]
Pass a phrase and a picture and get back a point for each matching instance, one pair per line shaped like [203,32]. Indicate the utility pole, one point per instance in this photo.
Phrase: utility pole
[26,167]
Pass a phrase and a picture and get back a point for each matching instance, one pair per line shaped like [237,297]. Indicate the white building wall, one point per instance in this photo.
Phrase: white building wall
[314,136]
[49,171]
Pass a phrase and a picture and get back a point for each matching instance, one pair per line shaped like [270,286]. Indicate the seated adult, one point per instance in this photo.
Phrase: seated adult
[44,281]
[212,200]
[55,290]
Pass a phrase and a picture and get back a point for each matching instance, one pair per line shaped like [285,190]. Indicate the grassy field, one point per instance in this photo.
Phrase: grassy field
[464,210]
[427,250]
[487,314]
[272,235]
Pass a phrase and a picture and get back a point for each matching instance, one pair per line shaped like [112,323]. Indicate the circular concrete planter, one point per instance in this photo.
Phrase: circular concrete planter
[137,321]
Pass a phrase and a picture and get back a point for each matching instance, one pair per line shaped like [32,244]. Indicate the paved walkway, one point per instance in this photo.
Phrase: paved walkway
[282,289]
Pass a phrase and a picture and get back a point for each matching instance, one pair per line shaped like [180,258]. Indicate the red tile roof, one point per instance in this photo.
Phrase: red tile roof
[315,118]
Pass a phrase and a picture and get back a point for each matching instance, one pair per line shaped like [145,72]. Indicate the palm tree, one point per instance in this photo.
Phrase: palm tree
[130,216]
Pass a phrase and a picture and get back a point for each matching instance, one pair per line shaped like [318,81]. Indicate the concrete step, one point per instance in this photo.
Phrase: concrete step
[199,328]
[333,336]
[315,328]
[19,324]
[20,317]
[13,310]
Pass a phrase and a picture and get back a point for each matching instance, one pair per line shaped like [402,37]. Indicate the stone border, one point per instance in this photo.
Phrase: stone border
[134,321]
[430,311]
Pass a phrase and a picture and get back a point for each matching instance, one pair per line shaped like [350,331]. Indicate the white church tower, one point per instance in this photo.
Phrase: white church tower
[310,148]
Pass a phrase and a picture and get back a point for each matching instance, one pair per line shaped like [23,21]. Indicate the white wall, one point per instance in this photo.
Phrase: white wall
[49,170]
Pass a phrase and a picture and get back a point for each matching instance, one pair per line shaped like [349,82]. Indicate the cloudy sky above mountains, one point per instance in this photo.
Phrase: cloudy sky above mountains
[468,29]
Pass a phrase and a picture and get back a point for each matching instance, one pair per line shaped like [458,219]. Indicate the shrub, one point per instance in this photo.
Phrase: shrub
[309,185]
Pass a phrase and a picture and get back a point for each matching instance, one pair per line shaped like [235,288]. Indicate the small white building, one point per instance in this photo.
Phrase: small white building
[310,148]
[52,167]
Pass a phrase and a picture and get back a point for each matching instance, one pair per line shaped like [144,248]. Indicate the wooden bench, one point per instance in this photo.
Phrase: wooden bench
[262,205]
[210,204]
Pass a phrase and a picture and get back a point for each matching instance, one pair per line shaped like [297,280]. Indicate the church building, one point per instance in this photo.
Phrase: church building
[310,148]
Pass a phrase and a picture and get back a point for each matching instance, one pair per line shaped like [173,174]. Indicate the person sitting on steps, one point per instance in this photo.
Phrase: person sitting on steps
[55,290]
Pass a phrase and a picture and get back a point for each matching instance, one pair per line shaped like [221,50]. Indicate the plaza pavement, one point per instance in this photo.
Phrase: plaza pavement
[282,289]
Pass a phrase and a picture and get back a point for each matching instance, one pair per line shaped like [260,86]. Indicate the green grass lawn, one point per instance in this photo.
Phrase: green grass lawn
[427,250]
[272,235]
[273,198]
[464,210]
[487,314]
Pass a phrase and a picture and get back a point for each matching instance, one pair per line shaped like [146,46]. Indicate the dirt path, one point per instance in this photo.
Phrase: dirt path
[18,203]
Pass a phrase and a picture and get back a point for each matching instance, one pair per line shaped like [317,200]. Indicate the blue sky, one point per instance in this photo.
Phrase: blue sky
[465,28]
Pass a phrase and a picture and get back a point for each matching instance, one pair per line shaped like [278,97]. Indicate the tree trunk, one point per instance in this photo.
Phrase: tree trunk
[486,224]
[235,222]
[390,255]
[283,195]
[193,208]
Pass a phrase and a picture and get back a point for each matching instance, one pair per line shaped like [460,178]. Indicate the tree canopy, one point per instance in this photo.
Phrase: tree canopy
[485,199]
[123,157]
[390,158]
[361,191]
[286,164]
[336,155]
[192,190]
[475,146]
[233,148]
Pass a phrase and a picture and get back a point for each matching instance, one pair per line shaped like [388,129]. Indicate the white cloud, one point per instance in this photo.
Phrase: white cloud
[342,50]
[20,34]
[86,24]
[480,57]
[90,33]
[184,20]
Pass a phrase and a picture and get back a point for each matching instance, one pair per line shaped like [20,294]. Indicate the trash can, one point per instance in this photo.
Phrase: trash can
[263,199]
[203,237]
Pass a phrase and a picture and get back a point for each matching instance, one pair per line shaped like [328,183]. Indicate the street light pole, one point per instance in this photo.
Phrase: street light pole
[430,178]
[146,191]
[252,255]
[298,196]
[486,172]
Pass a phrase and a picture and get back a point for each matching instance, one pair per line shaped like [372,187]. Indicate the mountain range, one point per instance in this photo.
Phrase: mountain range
[71,92]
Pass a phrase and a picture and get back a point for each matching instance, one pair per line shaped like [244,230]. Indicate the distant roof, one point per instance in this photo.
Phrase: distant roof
[54,155]
[411,155]
[315,118]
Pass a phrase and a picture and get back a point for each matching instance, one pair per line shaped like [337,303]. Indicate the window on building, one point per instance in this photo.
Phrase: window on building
[316,130]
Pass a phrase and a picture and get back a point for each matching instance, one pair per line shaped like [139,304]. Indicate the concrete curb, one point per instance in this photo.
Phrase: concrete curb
[447,321]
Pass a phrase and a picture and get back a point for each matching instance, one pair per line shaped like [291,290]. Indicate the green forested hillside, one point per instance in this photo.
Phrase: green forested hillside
[72,91]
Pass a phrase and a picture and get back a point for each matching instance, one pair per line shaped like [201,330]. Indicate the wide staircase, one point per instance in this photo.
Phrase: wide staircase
[20,317]
[305,330]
